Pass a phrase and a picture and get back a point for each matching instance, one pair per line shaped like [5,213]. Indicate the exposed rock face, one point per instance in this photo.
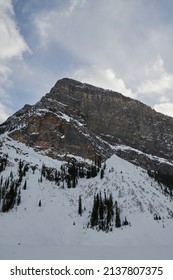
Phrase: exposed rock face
[85,120]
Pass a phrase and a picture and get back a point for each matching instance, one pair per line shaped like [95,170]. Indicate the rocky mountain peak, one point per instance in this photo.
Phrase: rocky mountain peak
[84,120]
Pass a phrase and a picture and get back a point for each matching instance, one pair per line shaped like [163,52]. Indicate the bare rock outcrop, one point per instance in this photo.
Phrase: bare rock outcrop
[84,120]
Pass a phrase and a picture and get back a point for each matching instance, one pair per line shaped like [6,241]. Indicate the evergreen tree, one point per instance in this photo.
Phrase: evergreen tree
[25,169]
[110,213]
[93,171]
[73,171]
[117,217]
[41,179]
[125,223]
[88,175]
[43,170]
[24,186]
[102,173]
[1,181]
[18,199]
[101,208]
[94,214]
[20,170]
[80,206]
[33,169]
[81,171]
[57,176]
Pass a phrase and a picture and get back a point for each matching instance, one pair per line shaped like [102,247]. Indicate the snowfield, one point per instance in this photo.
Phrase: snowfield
[56,230]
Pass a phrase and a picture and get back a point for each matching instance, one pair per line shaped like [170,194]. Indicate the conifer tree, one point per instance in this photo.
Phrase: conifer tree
[101,208]
[24,186]
[1,181]
[41,179]
[81,171]
[94,214]
[80,206]
[109,204]
[125,223]
[43,170]
[102,173]
[18,198]
[117,217]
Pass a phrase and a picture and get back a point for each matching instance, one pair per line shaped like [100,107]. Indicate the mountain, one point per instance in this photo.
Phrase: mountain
[85,120]
[86,173]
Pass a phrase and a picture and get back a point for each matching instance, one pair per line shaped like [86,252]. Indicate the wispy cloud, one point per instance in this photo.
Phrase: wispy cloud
[75,4]
[12,46]
[164,108]
[121,37]
[158,87]
[158,79]
[121,45]
[4,112]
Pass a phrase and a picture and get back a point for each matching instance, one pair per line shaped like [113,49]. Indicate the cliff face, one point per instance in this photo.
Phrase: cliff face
[116,118]
[85,120]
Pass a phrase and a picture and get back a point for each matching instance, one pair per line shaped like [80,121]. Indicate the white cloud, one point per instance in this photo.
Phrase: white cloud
[115,39]
[122,38]
[157,86]
[105,78]
[4,113]
[159,80]
[74,4]
[44,31]
[12,46]
[164,99]
[4,73]
[51,26]
[164,108]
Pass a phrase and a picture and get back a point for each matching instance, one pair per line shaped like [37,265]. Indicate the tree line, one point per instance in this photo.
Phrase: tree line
[10,188]
[70,172]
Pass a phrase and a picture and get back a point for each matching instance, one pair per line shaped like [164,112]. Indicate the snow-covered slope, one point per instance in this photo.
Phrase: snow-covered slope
[56,230]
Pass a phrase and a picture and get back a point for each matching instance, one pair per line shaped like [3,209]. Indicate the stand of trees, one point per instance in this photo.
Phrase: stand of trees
[162,178]
[10,188]
[10,194]
[70,172]
[68,175]
[105,214]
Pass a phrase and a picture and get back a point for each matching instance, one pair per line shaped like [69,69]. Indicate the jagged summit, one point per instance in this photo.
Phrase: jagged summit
[74,83]
[85,120]
[68,85]
[68,81]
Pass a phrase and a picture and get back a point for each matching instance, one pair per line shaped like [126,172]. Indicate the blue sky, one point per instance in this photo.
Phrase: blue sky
[123,45]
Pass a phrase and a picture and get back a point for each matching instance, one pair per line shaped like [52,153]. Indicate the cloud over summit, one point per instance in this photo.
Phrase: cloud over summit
[117,44]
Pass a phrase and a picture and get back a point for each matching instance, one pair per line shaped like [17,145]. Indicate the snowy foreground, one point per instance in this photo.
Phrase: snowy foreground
[56,231]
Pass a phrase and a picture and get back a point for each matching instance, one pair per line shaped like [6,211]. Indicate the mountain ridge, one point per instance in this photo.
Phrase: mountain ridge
[85,120]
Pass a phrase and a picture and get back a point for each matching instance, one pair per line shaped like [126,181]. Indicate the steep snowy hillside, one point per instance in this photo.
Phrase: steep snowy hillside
[44,220]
